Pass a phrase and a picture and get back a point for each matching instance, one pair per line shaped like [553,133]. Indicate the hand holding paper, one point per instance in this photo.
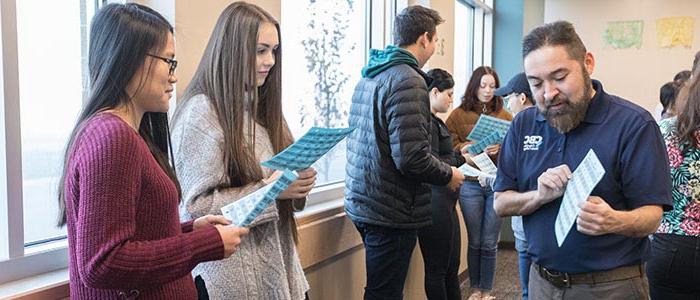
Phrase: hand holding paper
[579,187]
[552,183]
[244,211]
[300,187]
[596,217]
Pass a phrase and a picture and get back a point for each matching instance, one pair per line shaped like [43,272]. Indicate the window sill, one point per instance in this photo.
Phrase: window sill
[51,285]
[324,202]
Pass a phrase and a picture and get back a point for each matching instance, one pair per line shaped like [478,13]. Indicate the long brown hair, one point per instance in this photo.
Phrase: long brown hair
[121,36]
[689,112]
[227,76]
[470,99]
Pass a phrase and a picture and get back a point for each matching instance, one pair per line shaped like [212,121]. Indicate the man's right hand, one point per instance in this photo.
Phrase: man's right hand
[456,180]
[231,236]
[552,184]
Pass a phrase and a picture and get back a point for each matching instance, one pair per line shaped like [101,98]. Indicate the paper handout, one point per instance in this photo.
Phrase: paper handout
[486,125]
[483,161]
[246,209]
[308,149]
[579,187]
[491,139]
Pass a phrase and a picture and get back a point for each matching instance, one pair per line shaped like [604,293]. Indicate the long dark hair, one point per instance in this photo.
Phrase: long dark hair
[470,99]
[689,114]
[227,76]
[121,36]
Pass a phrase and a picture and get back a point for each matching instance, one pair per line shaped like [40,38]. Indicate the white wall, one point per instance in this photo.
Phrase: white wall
[194,22]
[634,74]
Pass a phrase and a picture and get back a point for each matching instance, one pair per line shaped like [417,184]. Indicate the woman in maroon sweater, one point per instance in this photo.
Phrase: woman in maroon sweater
[119,196]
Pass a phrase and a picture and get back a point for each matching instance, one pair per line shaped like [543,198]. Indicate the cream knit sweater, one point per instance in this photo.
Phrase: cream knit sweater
[266,265]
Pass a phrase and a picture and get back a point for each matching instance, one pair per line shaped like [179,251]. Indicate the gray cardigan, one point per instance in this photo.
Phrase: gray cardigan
[266,264]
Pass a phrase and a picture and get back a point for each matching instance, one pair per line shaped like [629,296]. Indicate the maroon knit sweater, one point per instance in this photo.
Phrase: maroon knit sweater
[124,234]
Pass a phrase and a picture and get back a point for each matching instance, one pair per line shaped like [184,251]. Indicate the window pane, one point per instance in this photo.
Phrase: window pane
[464,15]
[50,76]
[324,48]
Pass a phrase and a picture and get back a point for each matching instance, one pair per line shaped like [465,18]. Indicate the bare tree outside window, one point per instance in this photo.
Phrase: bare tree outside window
[327,53]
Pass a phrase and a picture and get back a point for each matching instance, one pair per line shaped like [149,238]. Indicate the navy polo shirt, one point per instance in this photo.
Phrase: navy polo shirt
[629,145]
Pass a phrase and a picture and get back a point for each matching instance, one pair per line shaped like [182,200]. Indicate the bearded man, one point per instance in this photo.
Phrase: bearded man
[602,256]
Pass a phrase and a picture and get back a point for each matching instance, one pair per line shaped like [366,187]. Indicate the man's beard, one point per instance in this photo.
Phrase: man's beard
[572,114]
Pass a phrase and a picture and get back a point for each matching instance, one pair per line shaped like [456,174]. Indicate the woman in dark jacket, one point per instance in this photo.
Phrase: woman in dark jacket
[440,242]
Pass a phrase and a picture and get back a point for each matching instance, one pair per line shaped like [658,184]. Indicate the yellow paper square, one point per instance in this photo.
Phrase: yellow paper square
[676,31]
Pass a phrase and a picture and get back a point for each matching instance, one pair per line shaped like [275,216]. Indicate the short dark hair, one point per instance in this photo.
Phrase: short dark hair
[441,79]
[696,61]
[412,22]
[559,33]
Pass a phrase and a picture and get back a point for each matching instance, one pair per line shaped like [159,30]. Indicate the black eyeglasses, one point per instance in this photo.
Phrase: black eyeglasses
[171,62]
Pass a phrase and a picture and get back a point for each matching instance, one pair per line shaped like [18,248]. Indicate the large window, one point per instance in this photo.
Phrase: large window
[44,70]
[473,40]
[324,47]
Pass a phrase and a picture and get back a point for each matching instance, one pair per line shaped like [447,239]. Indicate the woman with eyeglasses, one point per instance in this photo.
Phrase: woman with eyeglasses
[119,195]
[229,121]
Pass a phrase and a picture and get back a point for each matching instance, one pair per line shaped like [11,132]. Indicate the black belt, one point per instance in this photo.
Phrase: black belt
[565,280]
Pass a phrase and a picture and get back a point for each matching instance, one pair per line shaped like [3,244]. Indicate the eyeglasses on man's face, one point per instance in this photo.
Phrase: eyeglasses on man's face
[171,62]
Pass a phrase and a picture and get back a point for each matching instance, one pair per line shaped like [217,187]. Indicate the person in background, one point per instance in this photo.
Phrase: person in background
[440,242]
[389,162]
[118,193]
[682,76]
[602,256]
[229,121]
[667,96]
[673,263]
[475,199]
[518,97]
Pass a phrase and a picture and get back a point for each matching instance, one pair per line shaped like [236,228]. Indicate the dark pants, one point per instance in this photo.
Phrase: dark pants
[440,245]
[673,268]
[387,256]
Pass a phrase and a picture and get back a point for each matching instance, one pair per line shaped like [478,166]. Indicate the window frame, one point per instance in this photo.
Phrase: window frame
[379,16]
[24,260]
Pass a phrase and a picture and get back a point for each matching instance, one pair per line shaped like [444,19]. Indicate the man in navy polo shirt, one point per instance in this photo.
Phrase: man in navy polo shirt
[601,256]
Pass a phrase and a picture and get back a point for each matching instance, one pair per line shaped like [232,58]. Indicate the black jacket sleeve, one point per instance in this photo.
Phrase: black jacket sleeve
[408,115]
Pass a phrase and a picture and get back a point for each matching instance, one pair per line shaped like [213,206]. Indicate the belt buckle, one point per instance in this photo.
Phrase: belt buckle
[558,279]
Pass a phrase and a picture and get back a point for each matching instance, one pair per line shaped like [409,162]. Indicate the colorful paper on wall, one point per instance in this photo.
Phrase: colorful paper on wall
[676,31]
[246,209]
[624,34]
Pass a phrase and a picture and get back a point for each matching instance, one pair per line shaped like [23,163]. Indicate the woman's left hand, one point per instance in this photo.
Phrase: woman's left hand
[210,219]
[493,149]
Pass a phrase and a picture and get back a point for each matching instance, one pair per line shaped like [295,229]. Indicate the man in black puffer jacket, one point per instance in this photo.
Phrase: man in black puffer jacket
[390,165]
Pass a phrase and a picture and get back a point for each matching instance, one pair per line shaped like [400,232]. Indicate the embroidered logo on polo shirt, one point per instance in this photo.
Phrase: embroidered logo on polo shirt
[532,143]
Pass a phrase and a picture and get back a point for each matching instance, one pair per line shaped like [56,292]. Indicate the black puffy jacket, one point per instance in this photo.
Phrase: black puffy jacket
[390,165]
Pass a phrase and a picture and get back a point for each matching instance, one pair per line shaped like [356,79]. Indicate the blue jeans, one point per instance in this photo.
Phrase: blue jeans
[483,227]
[524,262]
[387,256]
